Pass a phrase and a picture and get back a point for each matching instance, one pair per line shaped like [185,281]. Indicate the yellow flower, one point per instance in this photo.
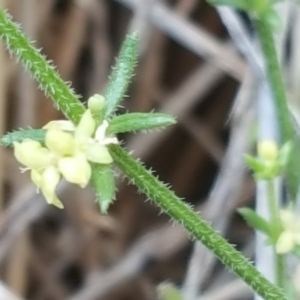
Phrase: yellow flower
[68,151]
[82,140]
[290,236]
[43,171]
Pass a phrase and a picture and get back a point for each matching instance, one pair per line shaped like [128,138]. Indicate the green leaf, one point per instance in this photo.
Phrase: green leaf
[121,74]
[254,164]
[103,183]
[255,220]
[271,17]
[285,154]
[20,135]
[139,121]
[168,291]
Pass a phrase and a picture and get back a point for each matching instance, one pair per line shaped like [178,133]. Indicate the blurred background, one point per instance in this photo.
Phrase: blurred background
[188,67]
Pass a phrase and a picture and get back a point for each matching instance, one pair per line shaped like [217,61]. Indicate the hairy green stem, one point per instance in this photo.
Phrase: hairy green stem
[8,139]
[39,68]
[200,229]
[275,78]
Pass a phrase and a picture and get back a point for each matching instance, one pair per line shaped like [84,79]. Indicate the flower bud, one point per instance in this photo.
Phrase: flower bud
[268,150]
[96,103]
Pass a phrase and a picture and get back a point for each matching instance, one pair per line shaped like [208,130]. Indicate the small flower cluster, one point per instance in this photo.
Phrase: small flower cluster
[290,235]
[271,160]
[67,152]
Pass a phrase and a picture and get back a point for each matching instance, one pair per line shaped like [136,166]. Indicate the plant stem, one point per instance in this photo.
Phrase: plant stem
[8,139]
[276,226]
[273,204]
[200,229]
[275,78]
[280,270]
[39,68]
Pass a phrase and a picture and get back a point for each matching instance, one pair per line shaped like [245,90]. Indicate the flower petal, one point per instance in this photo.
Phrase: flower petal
[98,154]
[53,200]
[50,180]
[36,178]
[60,142]
[285,242]
[287,218]
[31,154]
[101,131]
[86,126]
[75,169]
[110,140]
[60,124]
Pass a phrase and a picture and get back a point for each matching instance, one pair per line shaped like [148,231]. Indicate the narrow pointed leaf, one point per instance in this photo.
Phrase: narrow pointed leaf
[255,220]
[285,153]
[121,74]
[20,135]
[139,121]
[254,164]
[103,183]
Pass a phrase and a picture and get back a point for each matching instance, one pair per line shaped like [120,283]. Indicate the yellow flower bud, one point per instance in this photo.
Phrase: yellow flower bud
[60,142]
[96,103]
[75,169]
[268,150]
[31,154]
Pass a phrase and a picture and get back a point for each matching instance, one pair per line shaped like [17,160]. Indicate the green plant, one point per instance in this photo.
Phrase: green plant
[88,148]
